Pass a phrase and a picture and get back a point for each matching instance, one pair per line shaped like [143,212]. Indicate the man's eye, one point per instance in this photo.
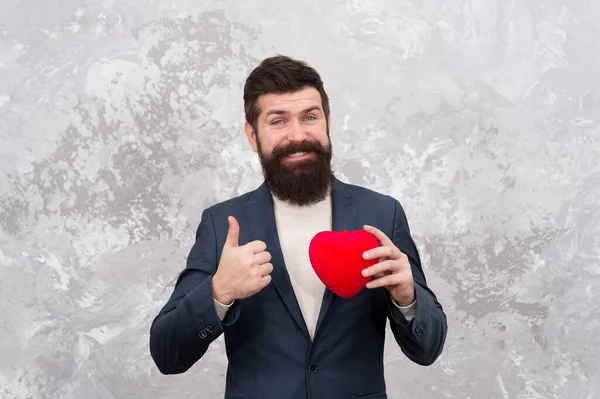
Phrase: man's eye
[276,122]
[310,117]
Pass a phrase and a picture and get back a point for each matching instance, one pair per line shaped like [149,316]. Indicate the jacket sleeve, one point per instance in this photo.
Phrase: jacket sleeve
[184,328]
[422,338]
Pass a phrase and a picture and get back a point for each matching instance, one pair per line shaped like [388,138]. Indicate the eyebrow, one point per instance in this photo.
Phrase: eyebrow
[282,112]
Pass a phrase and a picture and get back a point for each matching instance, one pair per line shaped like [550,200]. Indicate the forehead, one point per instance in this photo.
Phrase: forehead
[290,102]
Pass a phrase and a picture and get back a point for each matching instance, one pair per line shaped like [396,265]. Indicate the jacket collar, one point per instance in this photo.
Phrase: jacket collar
[261,219]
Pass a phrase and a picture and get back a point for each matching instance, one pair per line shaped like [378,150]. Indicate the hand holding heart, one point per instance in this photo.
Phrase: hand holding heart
[345,262]
[393,270]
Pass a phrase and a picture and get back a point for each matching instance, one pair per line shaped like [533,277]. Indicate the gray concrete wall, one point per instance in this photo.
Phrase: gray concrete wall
[121,120]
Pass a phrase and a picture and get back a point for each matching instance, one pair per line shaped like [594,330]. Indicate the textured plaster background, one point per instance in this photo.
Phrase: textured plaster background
[121,120]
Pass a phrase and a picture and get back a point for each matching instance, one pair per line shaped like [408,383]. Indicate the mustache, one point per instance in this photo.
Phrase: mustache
[299,147]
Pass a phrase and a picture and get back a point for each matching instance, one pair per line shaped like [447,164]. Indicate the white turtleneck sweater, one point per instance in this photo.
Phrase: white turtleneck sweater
[296,226]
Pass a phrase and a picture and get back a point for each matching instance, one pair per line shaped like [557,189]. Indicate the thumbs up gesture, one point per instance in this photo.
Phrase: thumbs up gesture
[243,270]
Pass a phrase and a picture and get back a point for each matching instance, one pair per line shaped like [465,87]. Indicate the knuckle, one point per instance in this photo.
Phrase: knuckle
[403,283]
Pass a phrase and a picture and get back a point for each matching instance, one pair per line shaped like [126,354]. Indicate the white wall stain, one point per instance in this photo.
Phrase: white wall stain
[121,121]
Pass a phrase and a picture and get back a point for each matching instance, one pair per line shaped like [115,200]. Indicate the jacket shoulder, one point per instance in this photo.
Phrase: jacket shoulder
[377,207]
[370,195]
[231,204]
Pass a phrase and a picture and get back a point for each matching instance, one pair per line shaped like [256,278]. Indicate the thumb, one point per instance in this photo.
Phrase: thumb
[233,233]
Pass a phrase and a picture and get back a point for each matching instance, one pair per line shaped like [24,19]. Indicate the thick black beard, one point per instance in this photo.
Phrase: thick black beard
[300,183]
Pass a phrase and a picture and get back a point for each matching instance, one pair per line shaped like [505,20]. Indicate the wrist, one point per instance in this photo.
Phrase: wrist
[405,301]
[219,293]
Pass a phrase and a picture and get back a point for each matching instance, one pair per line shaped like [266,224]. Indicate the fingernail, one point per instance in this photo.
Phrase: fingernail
[365,255]
[365,272]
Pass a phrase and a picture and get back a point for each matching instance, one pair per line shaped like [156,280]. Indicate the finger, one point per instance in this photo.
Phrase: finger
[383,239]
[383,252]
[261,258]
[390,265]
[387,280]
[233,234]
[265,269]
[379,275]
[256,246]
[264,281]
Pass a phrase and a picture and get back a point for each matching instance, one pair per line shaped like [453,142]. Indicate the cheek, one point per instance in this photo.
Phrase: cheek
[321,138]
[319,133]
[268,145]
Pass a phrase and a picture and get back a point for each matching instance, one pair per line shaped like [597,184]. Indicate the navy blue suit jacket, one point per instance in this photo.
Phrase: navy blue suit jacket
[269,350]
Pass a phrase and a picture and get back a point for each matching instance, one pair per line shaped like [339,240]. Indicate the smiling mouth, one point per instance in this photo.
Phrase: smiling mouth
[299,155]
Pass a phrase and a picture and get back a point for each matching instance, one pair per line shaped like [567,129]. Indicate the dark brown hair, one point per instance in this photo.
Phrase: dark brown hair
[279,75]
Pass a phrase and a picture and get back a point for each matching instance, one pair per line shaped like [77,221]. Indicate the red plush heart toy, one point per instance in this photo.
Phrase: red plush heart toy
[337,259]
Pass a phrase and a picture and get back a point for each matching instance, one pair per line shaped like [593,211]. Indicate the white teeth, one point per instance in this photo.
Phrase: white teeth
[298,154]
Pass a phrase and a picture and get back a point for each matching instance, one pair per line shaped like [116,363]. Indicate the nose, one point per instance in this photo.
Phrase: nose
[296,132]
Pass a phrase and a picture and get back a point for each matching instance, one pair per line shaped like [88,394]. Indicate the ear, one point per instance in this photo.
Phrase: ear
[251,136]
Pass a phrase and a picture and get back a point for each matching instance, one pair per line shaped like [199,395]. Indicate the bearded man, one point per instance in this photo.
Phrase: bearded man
[248,275]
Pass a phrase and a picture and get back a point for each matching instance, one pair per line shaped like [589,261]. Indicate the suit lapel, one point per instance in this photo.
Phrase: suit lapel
[344,217]
[261,219]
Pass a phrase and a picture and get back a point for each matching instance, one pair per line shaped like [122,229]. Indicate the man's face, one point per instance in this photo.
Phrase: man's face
[293,145]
